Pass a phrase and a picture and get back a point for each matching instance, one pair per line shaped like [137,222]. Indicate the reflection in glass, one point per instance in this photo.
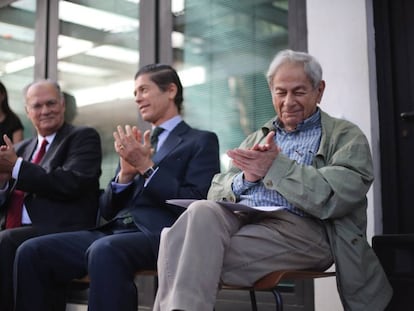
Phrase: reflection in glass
[222,49]
[17,22]
[97,60]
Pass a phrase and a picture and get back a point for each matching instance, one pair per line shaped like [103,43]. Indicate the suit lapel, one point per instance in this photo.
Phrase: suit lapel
[166,147]
[27,152]
[60,135]
[173,139]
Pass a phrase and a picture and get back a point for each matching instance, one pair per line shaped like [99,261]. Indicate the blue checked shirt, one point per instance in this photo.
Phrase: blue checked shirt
[300,145]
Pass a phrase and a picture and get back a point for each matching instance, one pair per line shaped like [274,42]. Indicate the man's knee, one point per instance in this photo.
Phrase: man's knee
[28,251]
[98,248]
[5,238]
[204,208]
[104,251]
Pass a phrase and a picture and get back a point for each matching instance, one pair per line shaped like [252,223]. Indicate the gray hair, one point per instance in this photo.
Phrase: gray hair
[311,66]
[41,81]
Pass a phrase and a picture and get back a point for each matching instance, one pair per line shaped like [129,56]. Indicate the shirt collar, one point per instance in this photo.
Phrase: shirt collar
[170,124]
[49,138]
[311,122]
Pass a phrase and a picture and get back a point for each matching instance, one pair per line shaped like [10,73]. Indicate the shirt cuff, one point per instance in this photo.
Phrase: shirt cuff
[3,193]
[4,189]
[16,168]
[117,187]
[240,185]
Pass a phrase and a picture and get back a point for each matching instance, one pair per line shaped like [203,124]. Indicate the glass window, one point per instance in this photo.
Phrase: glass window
[97,60]
[17,34]
[222,49]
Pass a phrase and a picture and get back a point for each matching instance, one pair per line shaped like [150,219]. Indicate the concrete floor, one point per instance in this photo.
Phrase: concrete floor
[75,307]
[79,307]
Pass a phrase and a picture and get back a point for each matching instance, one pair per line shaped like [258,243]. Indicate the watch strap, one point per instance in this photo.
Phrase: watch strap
[149,172]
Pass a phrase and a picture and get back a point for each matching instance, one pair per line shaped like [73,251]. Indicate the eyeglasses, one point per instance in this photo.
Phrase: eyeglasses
[38,106]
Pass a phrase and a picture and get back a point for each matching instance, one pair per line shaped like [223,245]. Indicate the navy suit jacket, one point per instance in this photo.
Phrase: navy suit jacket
[187,162]
[62,191]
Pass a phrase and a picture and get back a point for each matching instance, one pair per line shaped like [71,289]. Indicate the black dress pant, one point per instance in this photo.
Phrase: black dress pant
[10,240]
[47,263]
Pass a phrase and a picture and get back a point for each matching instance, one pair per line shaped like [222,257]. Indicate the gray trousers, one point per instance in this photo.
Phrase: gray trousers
[209,244]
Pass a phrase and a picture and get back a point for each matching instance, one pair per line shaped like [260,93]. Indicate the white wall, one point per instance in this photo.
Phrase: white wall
[338,38]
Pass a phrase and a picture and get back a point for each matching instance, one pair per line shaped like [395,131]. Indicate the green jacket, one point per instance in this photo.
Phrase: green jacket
[333,189]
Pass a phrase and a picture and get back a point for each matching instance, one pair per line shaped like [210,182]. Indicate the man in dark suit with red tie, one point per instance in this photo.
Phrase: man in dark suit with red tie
[181,165]
[54,175]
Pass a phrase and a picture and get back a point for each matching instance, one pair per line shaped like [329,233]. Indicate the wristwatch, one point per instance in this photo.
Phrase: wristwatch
[149,172]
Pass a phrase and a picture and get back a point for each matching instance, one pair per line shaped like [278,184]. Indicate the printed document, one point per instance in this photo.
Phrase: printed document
[237,207]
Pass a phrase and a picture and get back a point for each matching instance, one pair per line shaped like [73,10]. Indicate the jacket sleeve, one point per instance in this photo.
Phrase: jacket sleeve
[336,183]
[221,185]
[110,203]
[332,187]
[74,169]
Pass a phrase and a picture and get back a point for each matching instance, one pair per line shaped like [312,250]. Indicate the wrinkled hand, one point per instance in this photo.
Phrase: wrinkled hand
[8,156]
[134,150]
[256,161]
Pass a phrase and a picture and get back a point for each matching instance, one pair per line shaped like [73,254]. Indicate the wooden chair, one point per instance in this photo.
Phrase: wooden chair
[269,283]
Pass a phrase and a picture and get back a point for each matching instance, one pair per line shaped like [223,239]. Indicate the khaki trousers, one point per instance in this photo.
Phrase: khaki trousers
[209,244]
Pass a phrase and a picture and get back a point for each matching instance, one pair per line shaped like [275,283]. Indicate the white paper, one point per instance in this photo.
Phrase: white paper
[230,205]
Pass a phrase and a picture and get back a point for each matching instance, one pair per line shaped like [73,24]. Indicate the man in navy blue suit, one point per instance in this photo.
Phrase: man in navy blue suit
[181,165]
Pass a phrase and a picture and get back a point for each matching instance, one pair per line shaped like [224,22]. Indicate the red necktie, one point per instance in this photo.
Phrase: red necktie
[14,212]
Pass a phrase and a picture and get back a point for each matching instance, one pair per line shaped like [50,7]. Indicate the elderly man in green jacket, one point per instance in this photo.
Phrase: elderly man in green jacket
[315,170]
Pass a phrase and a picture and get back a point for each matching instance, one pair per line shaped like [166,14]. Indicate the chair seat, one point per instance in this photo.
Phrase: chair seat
[267,283]
[272,279]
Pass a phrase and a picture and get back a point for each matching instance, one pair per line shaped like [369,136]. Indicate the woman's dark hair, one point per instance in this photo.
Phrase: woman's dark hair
[5,103]
[163,75]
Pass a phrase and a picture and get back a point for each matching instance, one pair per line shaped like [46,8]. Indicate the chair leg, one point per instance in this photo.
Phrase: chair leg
[253,300]
[278,299]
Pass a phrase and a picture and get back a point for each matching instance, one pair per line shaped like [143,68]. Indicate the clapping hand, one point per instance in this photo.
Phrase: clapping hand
[255,161]
[134,150]
[8,159]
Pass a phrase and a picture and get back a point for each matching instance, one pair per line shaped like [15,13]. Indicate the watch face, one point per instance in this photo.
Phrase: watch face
[148,172]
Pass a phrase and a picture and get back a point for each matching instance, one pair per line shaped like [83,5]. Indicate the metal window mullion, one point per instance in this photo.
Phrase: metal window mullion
[46,34]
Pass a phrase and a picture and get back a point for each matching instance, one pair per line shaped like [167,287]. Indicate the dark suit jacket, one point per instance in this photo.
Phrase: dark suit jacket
[62,191]
[187,162]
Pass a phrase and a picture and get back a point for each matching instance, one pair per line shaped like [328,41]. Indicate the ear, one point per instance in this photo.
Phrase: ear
[172,91]
[321,89]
